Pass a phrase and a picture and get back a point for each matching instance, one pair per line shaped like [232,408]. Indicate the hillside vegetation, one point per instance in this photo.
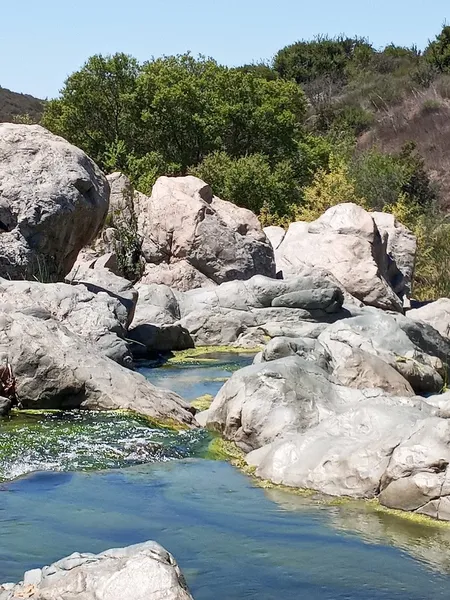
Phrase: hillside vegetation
[327,121]
[19,107]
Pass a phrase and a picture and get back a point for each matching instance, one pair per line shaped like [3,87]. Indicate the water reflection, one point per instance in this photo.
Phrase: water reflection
[427,542]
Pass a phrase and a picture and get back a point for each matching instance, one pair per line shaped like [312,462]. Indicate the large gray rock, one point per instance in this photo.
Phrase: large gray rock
[183,221]
[53,201]
[56,368]
[417,352]
[417,477]
[307,348]
[142,572]
[275,235]
[436,314]
[266,401]
[154,326]
[122,199]
[180,275]
[220,315]
[346,242]
[346,454]
[98,279]
[96,317]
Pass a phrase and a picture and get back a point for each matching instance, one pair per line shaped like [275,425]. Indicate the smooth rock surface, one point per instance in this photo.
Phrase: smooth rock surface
[346,242]
[183,221]
[401,248]
[266,401]
[141,572]
[345,454]
[436,314]
[53,201]
[98,279]
[413,350]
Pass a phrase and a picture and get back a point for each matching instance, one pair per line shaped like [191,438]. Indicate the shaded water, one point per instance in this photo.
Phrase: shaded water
[233,540]
[197,376]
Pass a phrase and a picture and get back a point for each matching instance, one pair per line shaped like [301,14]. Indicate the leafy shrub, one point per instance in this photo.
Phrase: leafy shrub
[442,86]
[432,272]
[305,61]
[382,178]
[251,181]
[328,188]
[431,106]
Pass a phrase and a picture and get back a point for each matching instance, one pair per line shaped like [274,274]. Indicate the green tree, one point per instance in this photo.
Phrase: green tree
[95,108]
[438,51]
[192,107]
[178,107]
[306,61]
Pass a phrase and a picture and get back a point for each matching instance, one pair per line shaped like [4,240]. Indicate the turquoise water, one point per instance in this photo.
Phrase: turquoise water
[232,540]
[198,377]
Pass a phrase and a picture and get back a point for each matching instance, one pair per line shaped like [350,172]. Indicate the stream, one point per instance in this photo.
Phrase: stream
[92,481]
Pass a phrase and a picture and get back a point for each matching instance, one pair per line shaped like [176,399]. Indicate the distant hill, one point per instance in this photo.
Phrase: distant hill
[13,105]
[422,118]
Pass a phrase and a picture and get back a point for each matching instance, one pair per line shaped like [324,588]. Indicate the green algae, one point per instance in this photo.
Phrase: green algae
[91,440]
[203,354]
[202,402]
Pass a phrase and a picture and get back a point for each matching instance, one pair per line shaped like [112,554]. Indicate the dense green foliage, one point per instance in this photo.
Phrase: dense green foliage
[280,138]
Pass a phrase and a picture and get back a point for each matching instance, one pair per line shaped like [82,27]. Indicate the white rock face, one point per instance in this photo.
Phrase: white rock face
[192,238]
[53,201]
[436,314]
[346,454]
[401,247]
[268,401]
[141,572]
[346,241]
[97,317]
[397,341]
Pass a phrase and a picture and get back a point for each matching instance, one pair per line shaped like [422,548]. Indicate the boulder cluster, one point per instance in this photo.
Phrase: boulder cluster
[347,395]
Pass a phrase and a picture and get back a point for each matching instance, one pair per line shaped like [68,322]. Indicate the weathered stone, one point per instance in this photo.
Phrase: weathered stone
[97,280]
[122,198]
[98,318]
[5,406]
[183,221]
[346,242]
[54,200]
[436,314]
[149,339]
[220,315]
[139,572]
[179,275]
[263,402]
[55,368]
[345,454]
[275,235]
[401,247]
[408,347]
[156,304]
[327,299]
[307,348]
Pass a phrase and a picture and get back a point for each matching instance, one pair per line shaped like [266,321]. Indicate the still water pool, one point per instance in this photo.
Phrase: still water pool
[115,482]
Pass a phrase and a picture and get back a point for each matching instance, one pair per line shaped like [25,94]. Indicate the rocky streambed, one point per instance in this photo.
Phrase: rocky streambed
[93,481]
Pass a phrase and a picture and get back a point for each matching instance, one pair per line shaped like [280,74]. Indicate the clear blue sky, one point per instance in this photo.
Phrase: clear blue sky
[43,41]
